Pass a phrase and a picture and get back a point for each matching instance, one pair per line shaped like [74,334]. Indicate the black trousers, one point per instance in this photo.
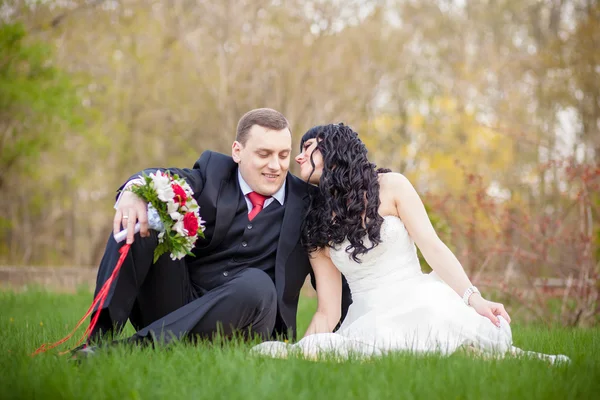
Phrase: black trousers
[162,305]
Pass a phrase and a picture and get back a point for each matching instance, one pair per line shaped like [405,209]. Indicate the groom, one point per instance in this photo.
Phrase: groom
[247,272]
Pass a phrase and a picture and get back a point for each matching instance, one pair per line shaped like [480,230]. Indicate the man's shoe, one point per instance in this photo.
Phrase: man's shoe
[82,352]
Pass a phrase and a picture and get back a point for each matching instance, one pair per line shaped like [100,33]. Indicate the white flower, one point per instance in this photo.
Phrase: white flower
[178,255]
[162,185]
[165,194]
[186,187]
[178,227]
[172,206]
[159,179]
[172,210]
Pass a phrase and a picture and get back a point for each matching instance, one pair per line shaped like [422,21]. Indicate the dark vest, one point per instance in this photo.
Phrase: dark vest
[247,244]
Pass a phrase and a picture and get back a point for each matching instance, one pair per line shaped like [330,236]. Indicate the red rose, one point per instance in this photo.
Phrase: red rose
[180,196]
[190,223]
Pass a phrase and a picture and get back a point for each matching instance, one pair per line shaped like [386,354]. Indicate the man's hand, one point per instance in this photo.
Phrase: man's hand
[130,210]
[488,309]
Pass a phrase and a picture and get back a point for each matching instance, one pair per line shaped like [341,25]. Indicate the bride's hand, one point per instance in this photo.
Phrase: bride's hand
[318,324]
[488,309]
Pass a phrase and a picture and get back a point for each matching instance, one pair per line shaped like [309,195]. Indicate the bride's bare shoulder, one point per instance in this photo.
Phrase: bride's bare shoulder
[390,184]
[392,181]
[391,178]
[322,252]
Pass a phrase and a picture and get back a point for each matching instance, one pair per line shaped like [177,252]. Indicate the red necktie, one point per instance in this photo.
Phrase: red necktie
[257,200]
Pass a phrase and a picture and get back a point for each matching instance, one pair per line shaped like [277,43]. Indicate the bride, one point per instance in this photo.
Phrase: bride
[364,223]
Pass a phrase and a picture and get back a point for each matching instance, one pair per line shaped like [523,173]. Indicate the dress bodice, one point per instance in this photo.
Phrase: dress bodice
[393,260]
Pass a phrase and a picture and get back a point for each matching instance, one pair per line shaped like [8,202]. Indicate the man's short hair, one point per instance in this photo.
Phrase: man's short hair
[265,117]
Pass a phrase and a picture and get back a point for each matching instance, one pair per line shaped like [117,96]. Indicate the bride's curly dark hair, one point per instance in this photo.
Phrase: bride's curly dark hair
[348,191]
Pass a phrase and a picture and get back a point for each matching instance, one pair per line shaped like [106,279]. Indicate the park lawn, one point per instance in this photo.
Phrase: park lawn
[31,317]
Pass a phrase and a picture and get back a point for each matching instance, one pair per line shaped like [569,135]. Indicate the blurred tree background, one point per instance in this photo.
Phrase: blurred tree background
[491,108]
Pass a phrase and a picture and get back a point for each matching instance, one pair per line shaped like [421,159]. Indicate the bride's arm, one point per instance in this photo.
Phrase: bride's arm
[329,293]
[411,210]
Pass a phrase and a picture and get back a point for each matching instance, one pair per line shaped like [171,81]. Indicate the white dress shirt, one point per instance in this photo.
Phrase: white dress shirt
[278,195]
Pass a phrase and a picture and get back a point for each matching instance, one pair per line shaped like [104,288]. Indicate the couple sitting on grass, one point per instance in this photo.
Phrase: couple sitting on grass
[353,227]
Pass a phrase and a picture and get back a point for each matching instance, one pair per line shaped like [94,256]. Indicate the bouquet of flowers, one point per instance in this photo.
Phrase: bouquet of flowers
[173,212]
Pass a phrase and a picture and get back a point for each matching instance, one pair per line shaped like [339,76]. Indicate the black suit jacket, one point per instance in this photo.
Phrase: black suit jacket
[213,179]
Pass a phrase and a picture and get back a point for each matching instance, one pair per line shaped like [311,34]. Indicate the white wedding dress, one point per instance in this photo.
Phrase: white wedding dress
[396,307]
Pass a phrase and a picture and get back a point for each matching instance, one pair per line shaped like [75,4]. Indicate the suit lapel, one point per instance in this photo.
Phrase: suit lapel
[227,201]
[290,229]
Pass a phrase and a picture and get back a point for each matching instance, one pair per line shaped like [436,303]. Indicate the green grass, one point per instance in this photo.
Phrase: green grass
[183,371]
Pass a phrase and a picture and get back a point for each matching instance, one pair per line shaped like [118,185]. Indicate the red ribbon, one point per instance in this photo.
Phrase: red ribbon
[100,299]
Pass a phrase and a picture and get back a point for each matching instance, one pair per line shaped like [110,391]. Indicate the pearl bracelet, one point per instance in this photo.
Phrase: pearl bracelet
[468,294]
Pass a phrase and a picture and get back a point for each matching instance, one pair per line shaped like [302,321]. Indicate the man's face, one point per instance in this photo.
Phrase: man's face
[265,158]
